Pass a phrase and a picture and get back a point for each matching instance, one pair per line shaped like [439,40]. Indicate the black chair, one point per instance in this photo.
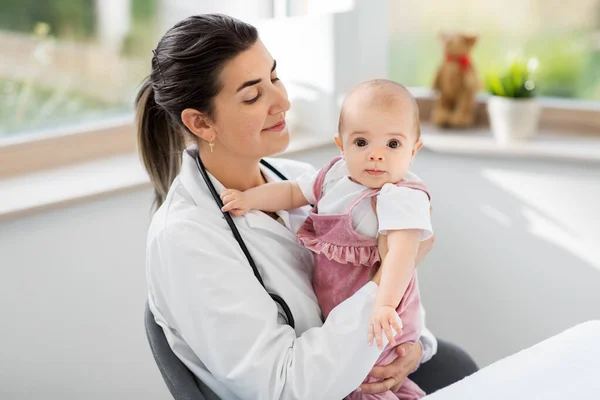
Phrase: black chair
[182,383]
[449,365]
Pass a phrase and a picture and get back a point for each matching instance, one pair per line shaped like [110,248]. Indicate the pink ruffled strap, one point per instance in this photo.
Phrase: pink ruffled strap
[318,185]
[366,256]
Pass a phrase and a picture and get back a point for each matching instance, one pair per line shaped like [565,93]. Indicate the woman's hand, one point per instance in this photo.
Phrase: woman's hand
[235,202]
[394,374]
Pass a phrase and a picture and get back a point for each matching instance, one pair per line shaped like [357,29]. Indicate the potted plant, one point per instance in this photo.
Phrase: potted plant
[513,108]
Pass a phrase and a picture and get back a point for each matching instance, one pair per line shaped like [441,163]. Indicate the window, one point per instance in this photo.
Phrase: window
[563,36]
[73,66]
[71,61]
[70,70]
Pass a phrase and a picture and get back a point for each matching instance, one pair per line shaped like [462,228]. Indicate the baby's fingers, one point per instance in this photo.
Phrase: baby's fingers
[225,193]
[229,205]
[388,332]
[238,212]
[378,336]
[371,334]
[397,327]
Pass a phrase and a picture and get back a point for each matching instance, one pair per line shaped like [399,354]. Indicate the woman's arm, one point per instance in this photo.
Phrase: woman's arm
[229,321]
[269,197]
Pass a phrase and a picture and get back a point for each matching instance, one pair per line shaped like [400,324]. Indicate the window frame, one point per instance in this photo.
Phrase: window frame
[95,140]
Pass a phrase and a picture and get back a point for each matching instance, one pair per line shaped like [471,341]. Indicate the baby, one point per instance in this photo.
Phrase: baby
[379,136]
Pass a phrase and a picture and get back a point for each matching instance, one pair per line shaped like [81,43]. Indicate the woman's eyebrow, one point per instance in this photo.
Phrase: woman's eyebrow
[255,81]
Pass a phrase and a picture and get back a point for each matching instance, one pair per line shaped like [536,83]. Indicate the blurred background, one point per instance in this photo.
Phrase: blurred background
[517,255]
[66,61]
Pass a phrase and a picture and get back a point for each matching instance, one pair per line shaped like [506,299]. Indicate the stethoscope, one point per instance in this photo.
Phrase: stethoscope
[288,313]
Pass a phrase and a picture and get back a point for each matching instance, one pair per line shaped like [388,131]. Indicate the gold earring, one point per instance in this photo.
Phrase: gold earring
[212,145]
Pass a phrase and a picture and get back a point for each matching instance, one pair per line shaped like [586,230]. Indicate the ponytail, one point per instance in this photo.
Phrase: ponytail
[185,73]
[160,142]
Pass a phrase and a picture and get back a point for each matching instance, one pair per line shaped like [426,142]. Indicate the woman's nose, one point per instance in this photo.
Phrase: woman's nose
[281,102]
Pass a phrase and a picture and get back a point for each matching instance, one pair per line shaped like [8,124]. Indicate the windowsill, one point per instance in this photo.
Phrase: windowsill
[60,187]
[479,142]
[64,186]
[64,146]
[49,189]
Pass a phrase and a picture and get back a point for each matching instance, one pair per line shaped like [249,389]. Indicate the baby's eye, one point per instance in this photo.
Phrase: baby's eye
[394,144]
[360,142]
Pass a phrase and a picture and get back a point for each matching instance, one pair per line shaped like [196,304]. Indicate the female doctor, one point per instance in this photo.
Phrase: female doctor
[228,311]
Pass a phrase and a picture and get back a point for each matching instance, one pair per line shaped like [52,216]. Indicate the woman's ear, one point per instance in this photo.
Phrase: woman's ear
[198,124]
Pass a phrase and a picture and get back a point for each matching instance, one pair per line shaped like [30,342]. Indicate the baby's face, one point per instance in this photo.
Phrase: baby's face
[378,144]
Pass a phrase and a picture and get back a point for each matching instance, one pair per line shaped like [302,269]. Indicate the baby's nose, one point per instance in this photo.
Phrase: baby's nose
[376,157]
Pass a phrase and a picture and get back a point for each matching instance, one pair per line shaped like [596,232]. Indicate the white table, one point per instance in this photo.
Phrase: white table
[564,367]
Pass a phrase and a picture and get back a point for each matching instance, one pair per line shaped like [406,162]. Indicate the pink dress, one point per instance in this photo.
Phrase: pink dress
[344,262]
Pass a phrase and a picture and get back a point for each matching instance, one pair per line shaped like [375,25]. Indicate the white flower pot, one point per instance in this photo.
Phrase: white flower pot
[513,119]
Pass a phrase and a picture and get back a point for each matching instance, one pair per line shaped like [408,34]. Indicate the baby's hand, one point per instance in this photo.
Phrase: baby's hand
[235,202]
[384,318]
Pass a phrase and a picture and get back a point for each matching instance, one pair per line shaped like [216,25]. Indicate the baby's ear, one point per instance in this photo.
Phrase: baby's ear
[338,141]
[418,145]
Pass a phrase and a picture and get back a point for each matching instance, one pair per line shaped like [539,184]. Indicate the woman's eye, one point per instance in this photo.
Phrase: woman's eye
[393,144]
[274,80]
[360,142]
[251,101]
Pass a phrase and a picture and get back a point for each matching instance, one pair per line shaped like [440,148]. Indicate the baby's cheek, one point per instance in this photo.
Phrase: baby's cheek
[353,168]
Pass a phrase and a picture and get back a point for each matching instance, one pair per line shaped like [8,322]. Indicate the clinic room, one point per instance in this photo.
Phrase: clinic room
[170,172]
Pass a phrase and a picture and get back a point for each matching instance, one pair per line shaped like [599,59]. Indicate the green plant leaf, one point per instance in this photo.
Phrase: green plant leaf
[515,79]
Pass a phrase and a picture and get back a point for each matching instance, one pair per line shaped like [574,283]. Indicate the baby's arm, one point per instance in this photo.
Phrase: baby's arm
[397,270]
[269,197]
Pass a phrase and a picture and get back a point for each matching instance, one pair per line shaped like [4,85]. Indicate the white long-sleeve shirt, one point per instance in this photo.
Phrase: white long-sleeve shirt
[222,323]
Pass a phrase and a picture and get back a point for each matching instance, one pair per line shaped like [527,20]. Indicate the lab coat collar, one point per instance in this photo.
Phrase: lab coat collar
[192,180]
[194,183]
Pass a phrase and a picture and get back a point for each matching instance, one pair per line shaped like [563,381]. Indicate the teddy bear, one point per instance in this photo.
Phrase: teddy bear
[456,82]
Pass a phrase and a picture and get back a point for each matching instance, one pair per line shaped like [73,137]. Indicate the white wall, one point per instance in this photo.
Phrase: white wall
[509,269]
[320,56]
[517,253]
[72,294]
[113,20]
[171,12]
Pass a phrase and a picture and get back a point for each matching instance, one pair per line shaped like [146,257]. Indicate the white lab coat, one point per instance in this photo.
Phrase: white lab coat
[220,321]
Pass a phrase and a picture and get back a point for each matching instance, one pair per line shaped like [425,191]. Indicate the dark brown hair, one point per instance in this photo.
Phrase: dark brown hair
[185,74]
